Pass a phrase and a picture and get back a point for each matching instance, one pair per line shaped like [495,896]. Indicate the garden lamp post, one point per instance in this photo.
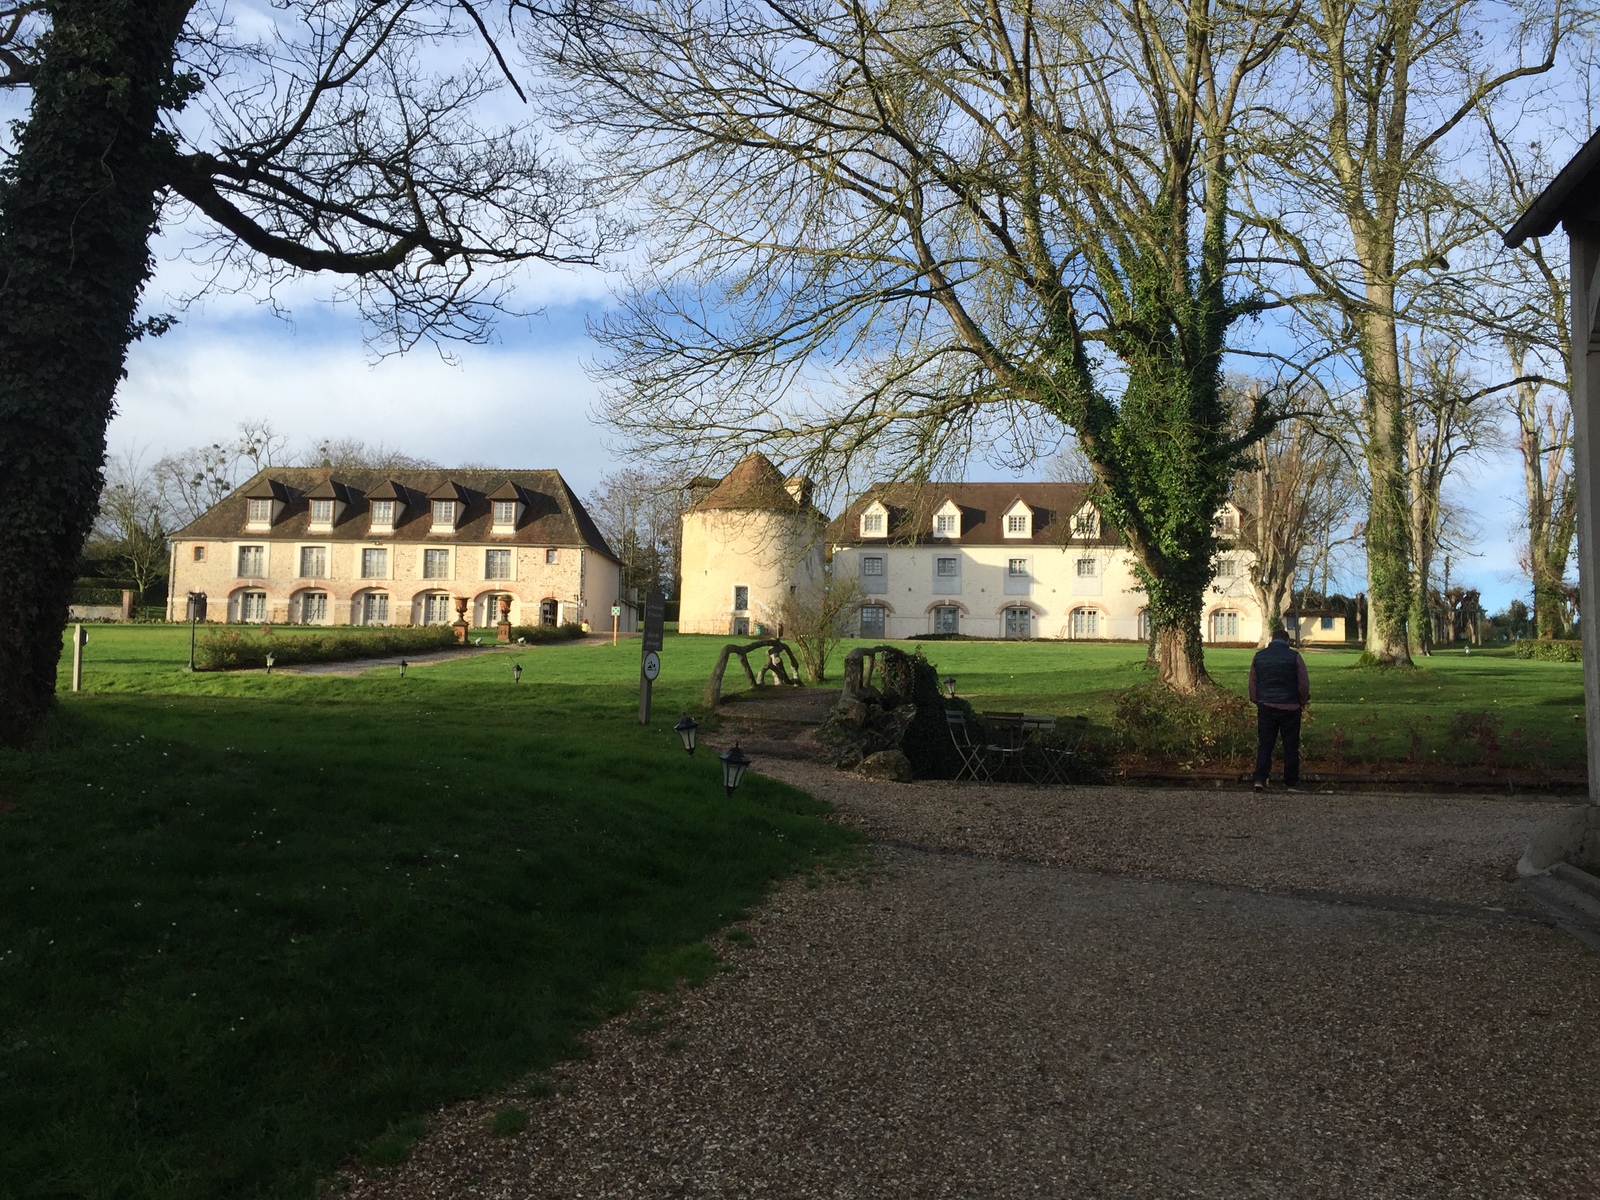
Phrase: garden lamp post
[950,687]
[685,730]
[516,672]
[403,665]
[271,659]
[734,764]
[197,601]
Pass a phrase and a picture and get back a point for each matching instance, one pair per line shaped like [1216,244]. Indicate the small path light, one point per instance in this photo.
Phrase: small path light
[950,687]
[685,729]
[271,659]
[734,764]
[516,672]
[403,665]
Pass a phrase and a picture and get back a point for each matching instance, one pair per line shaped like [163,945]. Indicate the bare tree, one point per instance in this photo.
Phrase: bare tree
[1301,490]
[317,138]
[132,525]
[640,512]
[352,453]
[905,232]
[1387,85]
[816,618]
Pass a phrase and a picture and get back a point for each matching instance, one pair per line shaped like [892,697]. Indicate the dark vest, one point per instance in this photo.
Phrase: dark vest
[1277,674]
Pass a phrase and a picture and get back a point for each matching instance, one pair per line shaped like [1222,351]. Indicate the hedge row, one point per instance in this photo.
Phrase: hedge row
[1549,651]
[231,649]
[546,633]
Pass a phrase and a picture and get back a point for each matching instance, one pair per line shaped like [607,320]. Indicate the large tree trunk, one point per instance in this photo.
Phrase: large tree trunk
[1180,658]
[76,213]
[1389,582]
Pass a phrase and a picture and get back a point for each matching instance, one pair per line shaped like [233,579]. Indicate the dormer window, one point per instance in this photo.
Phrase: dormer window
[322,512]
[872,523]
[1018,521]
[383,512]
[444,515]
[260,512]
[506,504]
[875,520]
[505,512]
[448,502]
[1227,520]
[947,521]
[1086,524]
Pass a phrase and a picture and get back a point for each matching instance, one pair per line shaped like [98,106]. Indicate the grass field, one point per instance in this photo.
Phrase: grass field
[252,924]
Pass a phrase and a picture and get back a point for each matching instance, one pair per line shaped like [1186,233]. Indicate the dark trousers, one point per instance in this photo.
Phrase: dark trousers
[1270,723]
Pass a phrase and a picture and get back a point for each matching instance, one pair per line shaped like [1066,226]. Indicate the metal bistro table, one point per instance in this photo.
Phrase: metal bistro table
[1021,757]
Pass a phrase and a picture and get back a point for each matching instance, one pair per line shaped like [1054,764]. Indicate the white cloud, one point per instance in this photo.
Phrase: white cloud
[516,406]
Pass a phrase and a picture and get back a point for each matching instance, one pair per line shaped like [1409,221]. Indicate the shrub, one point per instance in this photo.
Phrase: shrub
[1548,650]
[233,648]
[1211,726]
[546,633]
[1481,729]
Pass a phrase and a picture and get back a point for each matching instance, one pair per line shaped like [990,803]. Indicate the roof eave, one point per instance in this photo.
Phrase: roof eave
[1551,206]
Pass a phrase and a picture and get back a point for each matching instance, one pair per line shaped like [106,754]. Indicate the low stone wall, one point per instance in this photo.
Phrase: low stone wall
[94,612]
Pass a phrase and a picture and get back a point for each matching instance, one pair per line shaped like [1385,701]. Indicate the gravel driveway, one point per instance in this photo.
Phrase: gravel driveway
[1103,992]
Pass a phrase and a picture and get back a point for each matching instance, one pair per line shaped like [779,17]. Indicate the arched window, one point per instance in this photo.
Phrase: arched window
[252,607]
[313,608]
[947,619]
[436,609]
[1224,626]
[1083,623]
[872,621]
[1019,623]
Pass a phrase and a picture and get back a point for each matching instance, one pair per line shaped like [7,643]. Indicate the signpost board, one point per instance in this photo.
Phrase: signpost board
[655,615]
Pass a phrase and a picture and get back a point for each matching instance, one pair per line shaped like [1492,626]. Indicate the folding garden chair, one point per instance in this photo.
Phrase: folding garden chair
[1055,760]
[974,754]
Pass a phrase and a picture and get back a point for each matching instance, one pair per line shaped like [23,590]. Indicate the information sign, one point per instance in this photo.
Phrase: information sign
[652,665]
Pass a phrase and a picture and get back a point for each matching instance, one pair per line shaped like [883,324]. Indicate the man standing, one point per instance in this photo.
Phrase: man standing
[1280,688]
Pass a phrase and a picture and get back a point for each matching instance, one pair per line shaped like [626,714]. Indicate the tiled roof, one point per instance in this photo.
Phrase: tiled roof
[554,516]
[753,484]
[983,506]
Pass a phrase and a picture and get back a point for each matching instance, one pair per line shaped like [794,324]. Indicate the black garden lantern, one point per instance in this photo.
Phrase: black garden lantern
[516,672]
[685,729]
[734,764]
[950,687]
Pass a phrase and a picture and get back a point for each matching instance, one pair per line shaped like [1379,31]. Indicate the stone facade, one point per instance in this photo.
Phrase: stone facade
[280,551]
[1010,561]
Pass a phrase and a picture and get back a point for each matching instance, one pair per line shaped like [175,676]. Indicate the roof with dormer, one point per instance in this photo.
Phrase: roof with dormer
[983,507]
[553,515]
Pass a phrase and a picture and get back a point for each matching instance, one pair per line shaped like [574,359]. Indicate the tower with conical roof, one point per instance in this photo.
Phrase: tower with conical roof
[748,543]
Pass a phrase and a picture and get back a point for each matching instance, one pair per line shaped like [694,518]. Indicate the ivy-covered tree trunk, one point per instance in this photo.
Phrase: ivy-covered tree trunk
[78,202]
[1388,540]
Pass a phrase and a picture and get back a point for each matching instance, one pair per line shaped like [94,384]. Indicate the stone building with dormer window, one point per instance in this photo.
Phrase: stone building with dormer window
[313,546]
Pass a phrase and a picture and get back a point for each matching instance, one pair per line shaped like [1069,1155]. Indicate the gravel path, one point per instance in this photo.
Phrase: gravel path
[1105,992]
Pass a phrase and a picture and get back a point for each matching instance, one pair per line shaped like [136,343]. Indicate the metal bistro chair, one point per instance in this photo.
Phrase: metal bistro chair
[974,754]
[1007,730]
[1054,761]
[1037,763]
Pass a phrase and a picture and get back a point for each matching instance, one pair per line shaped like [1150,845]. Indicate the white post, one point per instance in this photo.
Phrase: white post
[1585,241]
[77,657]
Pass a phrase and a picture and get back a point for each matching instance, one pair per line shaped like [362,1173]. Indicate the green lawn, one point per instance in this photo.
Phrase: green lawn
[250,923]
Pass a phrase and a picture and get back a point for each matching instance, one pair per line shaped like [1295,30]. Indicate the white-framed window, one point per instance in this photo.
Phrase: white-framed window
[552,556]
[313,608]
[872,621]
[253,606]
[1144,624]
[1227,568]
[1017,568]
[444,514]
[374,608]
[199,554]
[505,512]
[322,512]
[260,512]
[1083,623]
[436,564]
[383,512]
[313,562]
[872,565]
[1019,623]
[1227,521]
[436,609]
[1224,626]
[741,598]
[252,562]
[1017,523]
[946,525]
[497,564]
[946,568]
[872,523]
[1088,568]
[1086,524]
[375,563]
[947,619]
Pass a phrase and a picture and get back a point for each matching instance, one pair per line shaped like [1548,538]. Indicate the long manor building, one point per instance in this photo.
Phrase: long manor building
[314,546]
